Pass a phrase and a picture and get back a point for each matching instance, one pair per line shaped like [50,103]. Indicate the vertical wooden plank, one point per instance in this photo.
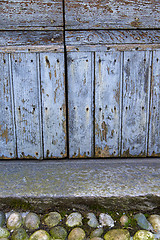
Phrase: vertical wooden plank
[107,103]
[154,126]
[53,105]
[7,138]
[27,110]
[80,97]
[135,103]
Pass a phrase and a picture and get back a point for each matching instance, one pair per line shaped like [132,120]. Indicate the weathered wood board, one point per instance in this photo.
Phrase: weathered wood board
[27,105]
[108,14]
[80,104]
[53,105]
[7,130]
[136,85]
[154,126]
[16,14]
[108,79]
[106,37]
[24,38]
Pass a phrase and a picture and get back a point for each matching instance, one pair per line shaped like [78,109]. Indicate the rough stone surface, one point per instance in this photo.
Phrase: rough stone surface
[117,234]
[106,220]
[2,219]
[93,222]
[14,221]
[143,235]
[117,178]
[96,238]
[19,234]
[40,235]
[74,219]
[4,233]
[142,221]
[76,234]
[96,233]
[155,221]
[52,219]
[124,220]
[58,233]
[32,221]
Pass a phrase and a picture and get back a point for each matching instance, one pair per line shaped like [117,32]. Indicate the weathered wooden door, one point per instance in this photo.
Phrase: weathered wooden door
[79,79]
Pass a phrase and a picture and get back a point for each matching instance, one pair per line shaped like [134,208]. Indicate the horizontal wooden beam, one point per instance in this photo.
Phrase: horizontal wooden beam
[108,14]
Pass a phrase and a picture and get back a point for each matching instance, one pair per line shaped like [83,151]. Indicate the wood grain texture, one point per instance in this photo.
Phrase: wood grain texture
[53,105]
[154,127]
[80,104]
[101,37]
[107,14]
[27,105]
[135,103]
[19,38]
[107,104]
[7,131]
[17,14]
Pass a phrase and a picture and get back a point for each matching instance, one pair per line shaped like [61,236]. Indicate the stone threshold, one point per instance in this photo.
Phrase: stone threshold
[111,183]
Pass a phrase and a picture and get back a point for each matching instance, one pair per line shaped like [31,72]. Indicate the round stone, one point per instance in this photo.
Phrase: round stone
[124,220]
[14,221]
[2,219]
[155,221]
[96,233]
[19,234]
[77,234]
[58,233]
[92,220]
[117,234]
[52,219]
[143,235]
[32,221]
[106,220]
[142,221]
[40,235]
[4,233]
[96,238]
[74,219]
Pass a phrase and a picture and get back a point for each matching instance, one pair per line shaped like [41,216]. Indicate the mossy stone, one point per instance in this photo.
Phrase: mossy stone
[155,221]
[117,234]
[77,234]
[40,235]
[58,233]
[32,221]
[19,234]
[14,221]
[4,233]
[74,219]
[96,233]
[52,219]
[143,235]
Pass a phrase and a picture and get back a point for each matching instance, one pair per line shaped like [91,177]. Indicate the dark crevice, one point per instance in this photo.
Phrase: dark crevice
[66,80]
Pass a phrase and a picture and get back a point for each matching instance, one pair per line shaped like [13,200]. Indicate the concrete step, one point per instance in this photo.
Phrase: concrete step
[120,181]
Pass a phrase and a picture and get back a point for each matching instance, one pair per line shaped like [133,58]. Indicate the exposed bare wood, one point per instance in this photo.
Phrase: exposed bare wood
[53,105]
[19,38]
[135,103]
[108,14]
[154,127]
[27,105]
[112,47]
[31,48]
[107,104]
[80,104]
[7,137]
[102,37]
[15,14]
